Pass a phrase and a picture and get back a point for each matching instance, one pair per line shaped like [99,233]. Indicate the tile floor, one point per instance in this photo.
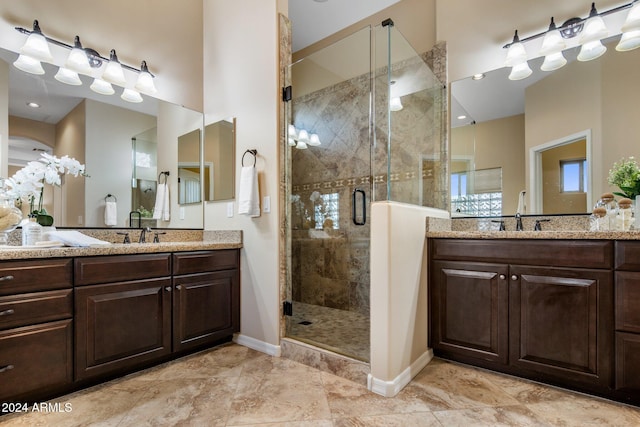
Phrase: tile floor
[235,386]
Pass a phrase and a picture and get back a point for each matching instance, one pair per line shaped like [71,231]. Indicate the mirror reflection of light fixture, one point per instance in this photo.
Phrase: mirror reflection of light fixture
[301,138]
[81,61]
[67,76]
[395,104]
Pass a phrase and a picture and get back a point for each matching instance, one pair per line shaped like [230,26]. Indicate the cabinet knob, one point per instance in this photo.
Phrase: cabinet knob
[502,277]
[514,277]
[3,278]
[178,287]
[168,289]
[7,312]
[5,368]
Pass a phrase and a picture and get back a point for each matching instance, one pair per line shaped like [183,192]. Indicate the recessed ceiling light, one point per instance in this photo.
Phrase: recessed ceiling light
[33,104]
[320,1]
[462,117]
[479,76]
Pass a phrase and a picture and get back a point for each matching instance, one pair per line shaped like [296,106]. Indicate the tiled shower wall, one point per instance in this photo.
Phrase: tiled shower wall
[330,267]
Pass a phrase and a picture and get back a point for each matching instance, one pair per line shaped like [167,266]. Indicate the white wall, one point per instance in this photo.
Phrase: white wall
[4,118]
[241,80]
[399,305]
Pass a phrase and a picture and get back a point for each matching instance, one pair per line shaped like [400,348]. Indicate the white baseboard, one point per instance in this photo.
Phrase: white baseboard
[391,388]
[261,346]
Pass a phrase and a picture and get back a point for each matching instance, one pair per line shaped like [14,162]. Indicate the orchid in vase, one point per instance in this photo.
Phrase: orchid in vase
[28,183]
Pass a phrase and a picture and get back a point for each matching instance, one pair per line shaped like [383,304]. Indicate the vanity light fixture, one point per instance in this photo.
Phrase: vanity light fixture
[517,59]
[301,139]
[591,31]
[84,61]
[552,46]
[594,31]
[631,30]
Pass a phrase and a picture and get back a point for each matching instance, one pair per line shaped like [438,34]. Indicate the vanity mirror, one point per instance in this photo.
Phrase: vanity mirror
[503,133]
[105,133]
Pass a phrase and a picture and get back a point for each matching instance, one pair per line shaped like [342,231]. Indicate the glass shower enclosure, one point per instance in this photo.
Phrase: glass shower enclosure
[364,125]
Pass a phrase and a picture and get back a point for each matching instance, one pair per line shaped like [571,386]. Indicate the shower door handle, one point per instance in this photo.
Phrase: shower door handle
[354,204]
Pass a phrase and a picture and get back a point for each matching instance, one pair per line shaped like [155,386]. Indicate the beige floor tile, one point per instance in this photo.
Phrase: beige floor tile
[416,419]
[279,390]
[577,410]
[508,416]
[183,402]
[348,399]
[442,385]
[314,423]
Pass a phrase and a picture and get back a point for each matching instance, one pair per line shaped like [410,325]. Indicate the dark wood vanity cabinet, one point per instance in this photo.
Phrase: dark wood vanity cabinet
[206,299]
[121,323]
[627,320]
[36,327]
[538,309]
[160,304]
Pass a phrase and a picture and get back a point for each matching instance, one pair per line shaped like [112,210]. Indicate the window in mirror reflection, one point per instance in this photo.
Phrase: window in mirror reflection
[145,175]
[189,172]
[573,178]
[477,193]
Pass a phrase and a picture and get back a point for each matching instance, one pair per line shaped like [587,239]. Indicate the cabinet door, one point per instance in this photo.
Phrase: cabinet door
[469,310]
[121,325]
[205,307]
[628,363]
[561,323]
[35,359]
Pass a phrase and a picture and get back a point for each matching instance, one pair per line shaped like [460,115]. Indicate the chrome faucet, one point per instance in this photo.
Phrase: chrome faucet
[143,234]
[518,222]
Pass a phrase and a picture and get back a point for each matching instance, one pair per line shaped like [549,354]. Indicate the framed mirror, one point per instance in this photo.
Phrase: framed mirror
[98,130]
[219,160]
[567,126]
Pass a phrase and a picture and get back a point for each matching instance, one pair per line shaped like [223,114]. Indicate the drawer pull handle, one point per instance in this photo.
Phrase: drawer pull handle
[7,312]
[502,277]
[514,277]
[6,368]
[3,278]
[168,289]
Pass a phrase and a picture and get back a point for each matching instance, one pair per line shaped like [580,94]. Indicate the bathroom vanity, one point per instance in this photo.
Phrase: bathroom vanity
[560,311]
[89,314]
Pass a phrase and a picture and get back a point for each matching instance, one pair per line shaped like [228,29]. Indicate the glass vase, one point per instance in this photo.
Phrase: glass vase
[10,215]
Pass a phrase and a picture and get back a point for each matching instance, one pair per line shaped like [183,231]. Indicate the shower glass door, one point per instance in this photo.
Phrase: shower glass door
[329,178]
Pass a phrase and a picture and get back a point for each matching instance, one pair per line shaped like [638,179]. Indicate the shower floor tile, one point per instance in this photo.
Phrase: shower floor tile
[340,331]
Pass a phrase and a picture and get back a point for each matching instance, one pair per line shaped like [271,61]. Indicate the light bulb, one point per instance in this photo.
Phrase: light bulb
[67,76]
[113,72]
[28,65]
[131,95]
[145,80]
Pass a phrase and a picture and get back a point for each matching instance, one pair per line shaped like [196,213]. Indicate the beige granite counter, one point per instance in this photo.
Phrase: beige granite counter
[210,240]
[550,235]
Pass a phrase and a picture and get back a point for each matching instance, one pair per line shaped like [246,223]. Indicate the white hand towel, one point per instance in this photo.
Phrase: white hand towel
[249,196]
[74,238]
[110,214]
[162,208]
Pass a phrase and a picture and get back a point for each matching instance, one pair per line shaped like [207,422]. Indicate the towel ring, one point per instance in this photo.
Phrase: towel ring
[110,196]
[254,153]
[165,173]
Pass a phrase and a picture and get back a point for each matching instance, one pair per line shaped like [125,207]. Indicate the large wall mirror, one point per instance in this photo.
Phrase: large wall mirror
[125,147]
[545,144]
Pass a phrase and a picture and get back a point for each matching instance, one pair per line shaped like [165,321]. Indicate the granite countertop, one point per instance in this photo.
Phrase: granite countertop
[209,240]
[557,235]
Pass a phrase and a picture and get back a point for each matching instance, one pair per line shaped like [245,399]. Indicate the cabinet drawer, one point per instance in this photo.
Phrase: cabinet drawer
[118,268]
[203,261]
[38,307]
[18,277]
[35,358]
[559,253]
[627,255]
